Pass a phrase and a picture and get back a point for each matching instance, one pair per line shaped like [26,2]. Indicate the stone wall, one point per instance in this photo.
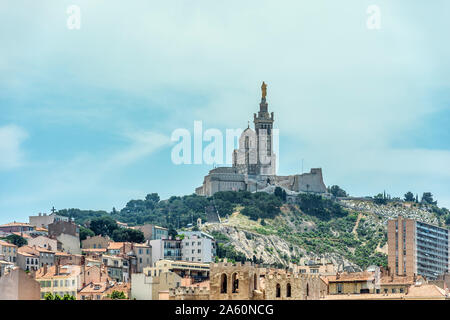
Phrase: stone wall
[189,293]
[230,281]
[290,286]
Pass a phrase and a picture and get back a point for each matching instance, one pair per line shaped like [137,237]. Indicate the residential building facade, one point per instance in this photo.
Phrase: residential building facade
[198,246]
[168,249]
[417,248]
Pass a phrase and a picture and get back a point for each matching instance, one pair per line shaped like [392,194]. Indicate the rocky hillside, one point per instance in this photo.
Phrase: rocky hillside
[352,241]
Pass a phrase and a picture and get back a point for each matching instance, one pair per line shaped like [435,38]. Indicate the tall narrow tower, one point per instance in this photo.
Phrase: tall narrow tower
[263,126]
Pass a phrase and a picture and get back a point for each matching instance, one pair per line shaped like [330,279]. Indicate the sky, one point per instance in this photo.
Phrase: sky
[86,115]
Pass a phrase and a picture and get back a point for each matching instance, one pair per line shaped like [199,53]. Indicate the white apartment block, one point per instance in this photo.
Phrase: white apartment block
[197,246]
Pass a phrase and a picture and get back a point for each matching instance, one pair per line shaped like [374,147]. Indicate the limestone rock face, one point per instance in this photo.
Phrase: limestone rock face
[272,249]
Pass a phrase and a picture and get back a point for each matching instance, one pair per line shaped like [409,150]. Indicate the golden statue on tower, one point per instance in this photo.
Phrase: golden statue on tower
[264,89]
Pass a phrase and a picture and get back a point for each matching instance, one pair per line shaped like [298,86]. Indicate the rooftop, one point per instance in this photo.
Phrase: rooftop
[6,244]
[64,271]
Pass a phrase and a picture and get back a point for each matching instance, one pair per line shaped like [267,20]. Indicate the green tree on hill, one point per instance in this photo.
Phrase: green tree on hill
[128,235]
[409,197]
[337,191]
[380,199]
[85,232]
[17,240]
[427,198]
[103,226]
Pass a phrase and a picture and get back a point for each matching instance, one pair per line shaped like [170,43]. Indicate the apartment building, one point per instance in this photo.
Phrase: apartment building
[417,248]
[118,268]
[46,243]
[96,242]
[59,280]
[16,227]
[28,259]
[8,251]
[42,220]
[153,232]
[198,246]
[196,270]
[168,249]
[143,253]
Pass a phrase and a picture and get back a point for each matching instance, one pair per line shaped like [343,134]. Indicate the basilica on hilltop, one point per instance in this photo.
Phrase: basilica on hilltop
[254,163]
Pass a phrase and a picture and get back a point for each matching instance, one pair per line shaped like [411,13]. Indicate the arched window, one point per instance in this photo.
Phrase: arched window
[223,283]
[255,282]
[288,290]
[235,282]
[278,291]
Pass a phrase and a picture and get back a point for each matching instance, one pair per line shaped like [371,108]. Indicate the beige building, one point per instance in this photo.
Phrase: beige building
[415,292]
[5,267]
[368,282]
[146,287]
[42,220]
[196,270]
[46,243]
[18,285]
[59,280]
[8,251]
[69,243]
[96,242]
[143,253]
[318,268]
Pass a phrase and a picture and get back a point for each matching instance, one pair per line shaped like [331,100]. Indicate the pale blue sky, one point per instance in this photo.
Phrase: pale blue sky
[86,115]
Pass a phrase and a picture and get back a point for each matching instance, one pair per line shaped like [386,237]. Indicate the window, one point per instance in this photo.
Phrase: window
[288,290]
[223,283]
[55,283]
[339,288]
[401,290]
[394,290]
[235,282]
[278,291]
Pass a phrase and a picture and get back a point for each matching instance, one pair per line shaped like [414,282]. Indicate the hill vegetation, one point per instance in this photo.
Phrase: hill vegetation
[317,225]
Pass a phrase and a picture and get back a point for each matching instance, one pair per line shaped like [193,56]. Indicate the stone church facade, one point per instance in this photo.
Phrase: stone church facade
[254,163]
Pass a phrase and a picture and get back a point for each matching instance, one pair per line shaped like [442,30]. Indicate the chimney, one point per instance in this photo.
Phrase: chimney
[57,267]
[83,263]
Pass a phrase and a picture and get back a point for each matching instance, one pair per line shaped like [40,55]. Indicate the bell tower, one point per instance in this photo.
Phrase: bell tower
[263,126]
